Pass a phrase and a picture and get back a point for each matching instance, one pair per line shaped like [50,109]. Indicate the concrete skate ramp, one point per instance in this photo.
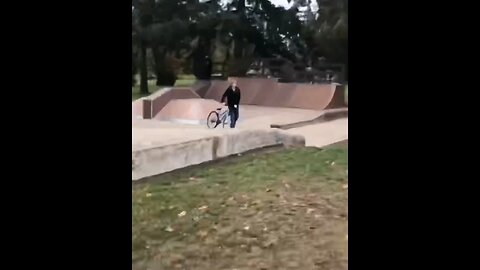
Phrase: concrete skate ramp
[311,96]
[152,161]
[216,90]
[338,99]
[201,87]
[280,96]
[255,90]
[189,111]
[268,92]
[153,104]
[137,108]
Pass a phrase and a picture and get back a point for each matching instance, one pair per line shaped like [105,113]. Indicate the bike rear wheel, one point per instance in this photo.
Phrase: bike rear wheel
[213,119]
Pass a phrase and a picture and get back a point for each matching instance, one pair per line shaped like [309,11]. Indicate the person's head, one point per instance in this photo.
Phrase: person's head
[234,83]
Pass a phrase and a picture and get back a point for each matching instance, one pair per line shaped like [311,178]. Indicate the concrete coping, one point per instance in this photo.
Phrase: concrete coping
[158,93]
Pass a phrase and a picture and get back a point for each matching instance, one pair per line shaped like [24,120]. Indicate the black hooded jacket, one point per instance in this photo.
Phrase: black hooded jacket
[233,97]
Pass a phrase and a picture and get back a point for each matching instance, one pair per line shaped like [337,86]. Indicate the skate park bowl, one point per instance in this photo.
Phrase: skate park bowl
[169,128]
[262,92]
[188,111]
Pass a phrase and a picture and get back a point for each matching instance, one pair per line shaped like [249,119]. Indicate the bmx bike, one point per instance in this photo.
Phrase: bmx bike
[217,117]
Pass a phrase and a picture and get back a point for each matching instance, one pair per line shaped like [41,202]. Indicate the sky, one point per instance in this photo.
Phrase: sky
[282,3]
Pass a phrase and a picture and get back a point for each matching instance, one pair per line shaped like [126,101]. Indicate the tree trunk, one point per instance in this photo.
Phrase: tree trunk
[165,73]
[143,69]
[158,64]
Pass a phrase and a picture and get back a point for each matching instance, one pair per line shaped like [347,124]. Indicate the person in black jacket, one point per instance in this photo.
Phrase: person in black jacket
[233,100]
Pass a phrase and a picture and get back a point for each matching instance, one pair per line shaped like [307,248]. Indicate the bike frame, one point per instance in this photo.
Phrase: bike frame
[223,116]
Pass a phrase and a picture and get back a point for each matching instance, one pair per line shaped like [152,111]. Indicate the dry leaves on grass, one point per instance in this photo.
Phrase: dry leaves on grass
[182,214]
[204,207]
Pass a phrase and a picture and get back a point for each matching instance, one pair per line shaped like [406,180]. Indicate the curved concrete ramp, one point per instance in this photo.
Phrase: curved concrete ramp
[338,99]
[255,90]
[268,92]
[194,111]
[280,96]
[311,96]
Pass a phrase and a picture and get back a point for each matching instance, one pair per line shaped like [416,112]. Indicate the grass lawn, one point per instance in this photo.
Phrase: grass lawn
[152,88]
[280,210]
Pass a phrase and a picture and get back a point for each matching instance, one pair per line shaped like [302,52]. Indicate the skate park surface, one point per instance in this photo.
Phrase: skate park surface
[162,143]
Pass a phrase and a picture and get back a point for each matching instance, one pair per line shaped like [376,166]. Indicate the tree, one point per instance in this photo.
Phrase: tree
[328,35]
[141,18]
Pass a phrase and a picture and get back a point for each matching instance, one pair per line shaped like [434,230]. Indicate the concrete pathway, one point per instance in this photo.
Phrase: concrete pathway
[322,134]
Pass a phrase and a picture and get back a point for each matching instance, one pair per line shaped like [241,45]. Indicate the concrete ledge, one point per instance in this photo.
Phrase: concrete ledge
[157,160]
[328,115]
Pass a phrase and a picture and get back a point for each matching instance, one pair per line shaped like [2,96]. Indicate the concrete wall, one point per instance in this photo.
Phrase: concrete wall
[156,160]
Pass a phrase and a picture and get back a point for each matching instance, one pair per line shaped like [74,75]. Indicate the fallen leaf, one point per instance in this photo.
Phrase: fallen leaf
[246,228]
[148,195]
[181,214]
[271,241]
[202,233]
[310,210]
[204,207]
[268,190]
[345,186]
[256,202]
[287,185]
[299,204]
[169,229]
[333,163]
[171,207]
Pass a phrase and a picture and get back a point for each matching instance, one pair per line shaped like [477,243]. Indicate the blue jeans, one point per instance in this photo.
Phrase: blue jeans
[233,113]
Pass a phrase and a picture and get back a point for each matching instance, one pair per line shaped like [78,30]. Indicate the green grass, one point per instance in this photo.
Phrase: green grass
[157,202]
[152,88]
[184,82]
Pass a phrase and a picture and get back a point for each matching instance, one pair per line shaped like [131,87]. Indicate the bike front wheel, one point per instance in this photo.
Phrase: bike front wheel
[213,119]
